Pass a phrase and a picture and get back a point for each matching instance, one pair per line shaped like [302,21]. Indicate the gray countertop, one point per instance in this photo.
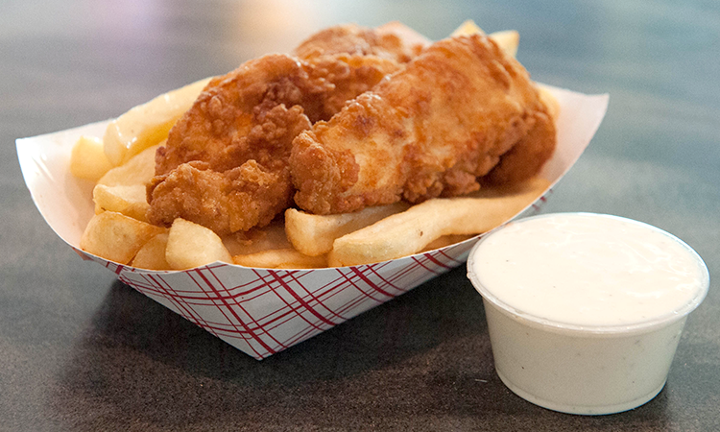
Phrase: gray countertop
[81,351]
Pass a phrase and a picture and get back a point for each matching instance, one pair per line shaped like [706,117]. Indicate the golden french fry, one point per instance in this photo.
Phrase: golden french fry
[280,258]
[409,232]
[257,240]
[507,40]
[88,160]
[446,240]
[268,247]
[468,27]
[116,237]
[129,200]
[191,245]
[152,255]
[147,124]
[137,171]
[549,100]
[314,235]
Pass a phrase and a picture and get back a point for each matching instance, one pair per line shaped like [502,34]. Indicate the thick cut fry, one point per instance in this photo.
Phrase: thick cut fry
[257,240]
[191,245]
[314,235]
[468,27]
[147,124]
[552,104]
[116,237]
[446,240]
[508,40]
[137,171]
[280,258]
[409,232]
[129,200]
[152,255]
[88,160]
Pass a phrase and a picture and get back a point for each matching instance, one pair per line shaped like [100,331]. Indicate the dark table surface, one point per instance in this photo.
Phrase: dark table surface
[81,351]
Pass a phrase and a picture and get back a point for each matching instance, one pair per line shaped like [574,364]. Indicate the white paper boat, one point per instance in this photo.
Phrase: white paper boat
[264,311]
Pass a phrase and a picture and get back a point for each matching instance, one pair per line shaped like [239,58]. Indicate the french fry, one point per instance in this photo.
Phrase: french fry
[257,240]
[146,125]
[137,171]
[268,247]
[314,235]
[280,258]
[129,200]
[191,245]
[549,100]
[152,255]
[116,237]
[468,27]
[446,240]
[409,232]
[88,160]
[507,40]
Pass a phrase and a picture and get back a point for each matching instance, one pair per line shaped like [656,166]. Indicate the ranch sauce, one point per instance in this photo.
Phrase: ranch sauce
[589,270]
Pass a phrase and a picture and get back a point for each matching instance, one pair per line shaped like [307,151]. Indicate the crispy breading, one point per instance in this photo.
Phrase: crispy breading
[234,200]
[225,163]
[243,115]
[431,129]
[354,59]
[394,41]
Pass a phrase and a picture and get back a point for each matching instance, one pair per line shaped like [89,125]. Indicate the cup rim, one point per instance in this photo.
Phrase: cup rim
[600,330]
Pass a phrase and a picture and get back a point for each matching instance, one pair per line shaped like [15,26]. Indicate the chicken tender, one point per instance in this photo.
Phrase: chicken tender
[527,156]
[431,129]
[249,116]
[244,115]
[393,41]
[353,59]
[235,200]
[225,163]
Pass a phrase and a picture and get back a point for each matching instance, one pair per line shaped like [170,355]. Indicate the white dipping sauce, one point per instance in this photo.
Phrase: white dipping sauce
[585,311]
[581,269]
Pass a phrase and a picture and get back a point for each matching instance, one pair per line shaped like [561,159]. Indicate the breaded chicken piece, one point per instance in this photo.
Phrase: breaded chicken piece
[527,156]
[349,76]
[229,122]
[225,163]
[354,59]
[238,131]
[234,200]
[431,129]
[393,41]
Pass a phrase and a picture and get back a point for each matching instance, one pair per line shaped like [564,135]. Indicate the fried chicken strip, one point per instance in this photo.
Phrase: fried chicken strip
[354,59]
[431,129]
[393,41]
[225,163]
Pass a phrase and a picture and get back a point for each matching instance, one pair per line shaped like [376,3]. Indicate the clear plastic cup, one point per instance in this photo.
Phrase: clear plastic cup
[589,369]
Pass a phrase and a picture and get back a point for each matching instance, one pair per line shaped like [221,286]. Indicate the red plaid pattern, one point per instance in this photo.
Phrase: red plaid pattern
[264,311]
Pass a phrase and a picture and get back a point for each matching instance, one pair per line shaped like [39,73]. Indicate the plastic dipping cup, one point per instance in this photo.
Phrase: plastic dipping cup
[585,311]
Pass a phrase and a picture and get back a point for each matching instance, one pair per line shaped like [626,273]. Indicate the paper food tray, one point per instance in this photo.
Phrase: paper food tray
[264,311]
